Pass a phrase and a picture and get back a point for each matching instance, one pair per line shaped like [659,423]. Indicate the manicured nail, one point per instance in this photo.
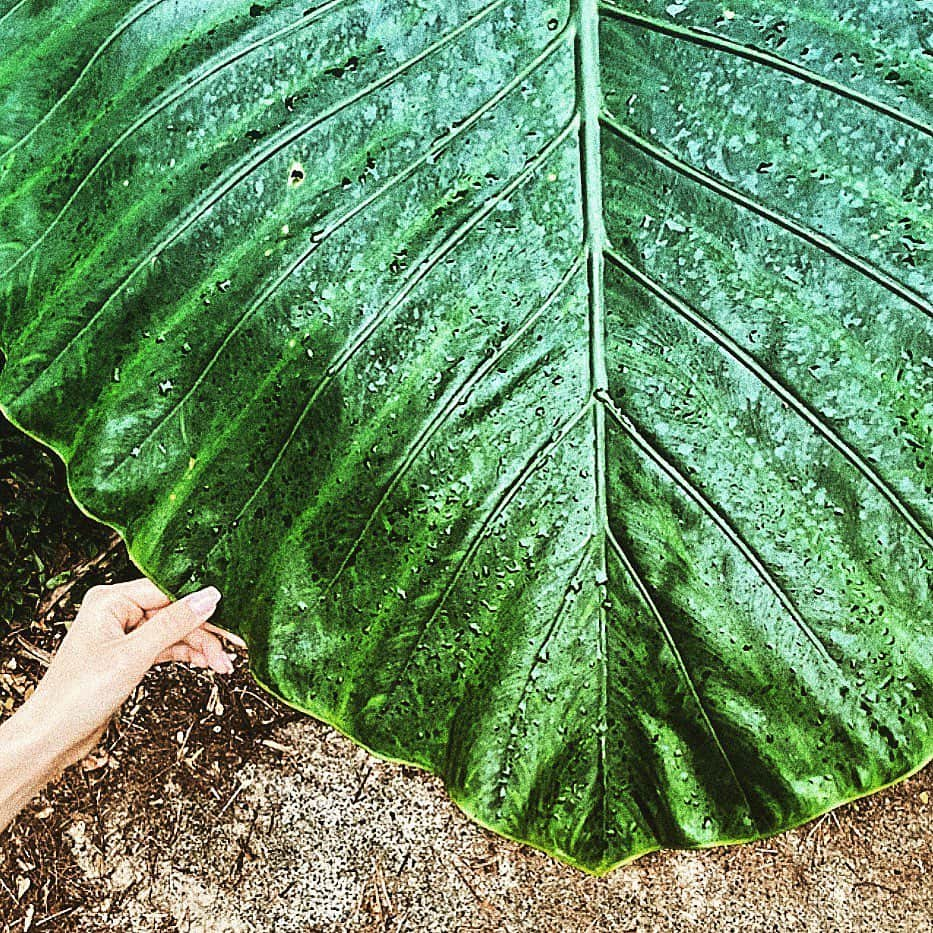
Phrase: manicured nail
[203,603]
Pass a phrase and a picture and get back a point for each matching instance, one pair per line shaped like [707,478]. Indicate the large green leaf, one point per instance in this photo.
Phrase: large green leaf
[549,388]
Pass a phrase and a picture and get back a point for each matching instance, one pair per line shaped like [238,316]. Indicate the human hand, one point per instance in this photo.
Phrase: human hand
[119,633]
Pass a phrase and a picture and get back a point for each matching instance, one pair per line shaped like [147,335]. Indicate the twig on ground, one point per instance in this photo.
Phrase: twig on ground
[37,654]
[243,785]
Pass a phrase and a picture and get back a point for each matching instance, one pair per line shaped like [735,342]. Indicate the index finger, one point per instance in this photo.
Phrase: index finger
[143,592]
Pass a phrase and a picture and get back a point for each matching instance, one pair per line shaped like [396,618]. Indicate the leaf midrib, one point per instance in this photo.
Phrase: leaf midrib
[589,102]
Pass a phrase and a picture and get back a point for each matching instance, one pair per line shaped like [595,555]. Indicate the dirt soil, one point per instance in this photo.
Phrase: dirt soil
[209,807]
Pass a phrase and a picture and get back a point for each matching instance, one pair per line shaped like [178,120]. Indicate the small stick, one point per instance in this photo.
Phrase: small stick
[233,796]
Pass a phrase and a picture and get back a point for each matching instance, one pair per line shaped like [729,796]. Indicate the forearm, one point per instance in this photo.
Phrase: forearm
[29,759]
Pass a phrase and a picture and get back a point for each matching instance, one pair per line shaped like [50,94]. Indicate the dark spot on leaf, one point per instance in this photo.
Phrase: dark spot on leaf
[338,71]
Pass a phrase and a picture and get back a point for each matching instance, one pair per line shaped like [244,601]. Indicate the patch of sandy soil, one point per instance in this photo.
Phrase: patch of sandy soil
[321,836]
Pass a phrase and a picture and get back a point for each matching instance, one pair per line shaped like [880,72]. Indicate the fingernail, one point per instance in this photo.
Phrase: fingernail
[203,603]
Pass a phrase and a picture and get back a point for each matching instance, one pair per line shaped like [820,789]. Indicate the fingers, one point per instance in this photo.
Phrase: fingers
[210,648]
[200,648]
[143,592]
[177,621]
[184,654]
[227,636]
[106,607]
[121,604]
[170,631]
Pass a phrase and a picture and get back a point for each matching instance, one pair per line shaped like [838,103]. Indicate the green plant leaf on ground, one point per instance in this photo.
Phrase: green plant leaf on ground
[548,387]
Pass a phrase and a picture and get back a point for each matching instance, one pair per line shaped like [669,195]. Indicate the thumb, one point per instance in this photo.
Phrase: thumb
[178,620]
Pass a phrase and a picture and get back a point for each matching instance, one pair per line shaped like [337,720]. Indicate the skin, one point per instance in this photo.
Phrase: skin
[119,633]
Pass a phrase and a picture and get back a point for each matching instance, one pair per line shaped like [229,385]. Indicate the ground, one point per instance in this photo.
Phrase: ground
[210,807]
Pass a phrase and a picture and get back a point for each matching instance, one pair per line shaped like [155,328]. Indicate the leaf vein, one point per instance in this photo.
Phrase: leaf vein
[501,780]
[642,589]
[732,349]
[814,238]
[120,28]
[458,397]
[768,59]
[511,490]
[166,100]
[340,362]
[249,165]
[723,523]
[338,224]
[11,11]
